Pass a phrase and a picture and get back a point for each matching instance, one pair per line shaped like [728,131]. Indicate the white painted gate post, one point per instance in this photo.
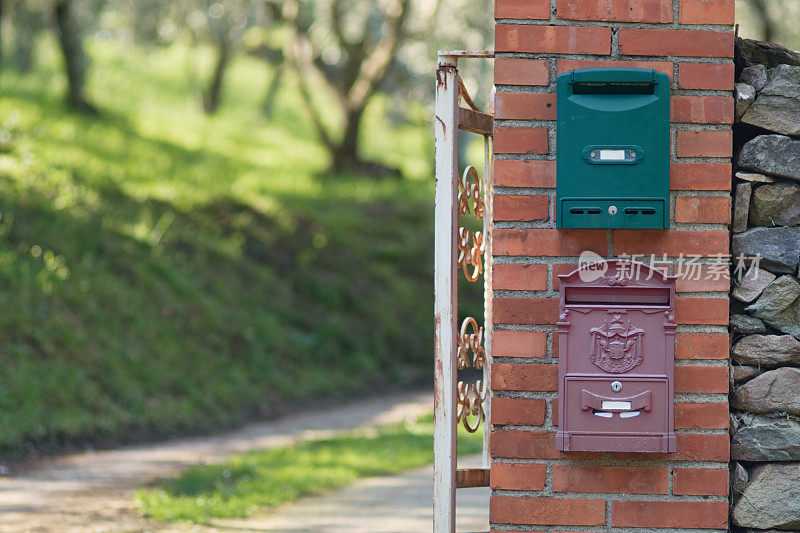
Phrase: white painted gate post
[445,296]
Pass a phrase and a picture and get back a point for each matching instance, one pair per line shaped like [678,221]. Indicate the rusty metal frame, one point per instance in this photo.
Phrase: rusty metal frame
[454,249]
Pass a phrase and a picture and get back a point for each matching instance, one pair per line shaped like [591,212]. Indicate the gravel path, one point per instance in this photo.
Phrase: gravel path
[91,492]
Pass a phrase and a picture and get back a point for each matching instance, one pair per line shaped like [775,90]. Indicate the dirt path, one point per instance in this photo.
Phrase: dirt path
[92,492]
[395,504]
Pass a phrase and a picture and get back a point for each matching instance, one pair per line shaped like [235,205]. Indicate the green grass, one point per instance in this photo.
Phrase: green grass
[163,271]
[254,482]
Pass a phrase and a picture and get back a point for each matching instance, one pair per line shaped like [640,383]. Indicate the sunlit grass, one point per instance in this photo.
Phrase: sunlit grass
[162,270]
[254,482]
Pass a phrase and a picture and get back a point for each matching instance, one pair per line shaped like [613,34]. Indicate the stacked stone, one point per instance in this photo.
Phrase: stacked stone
[765,304]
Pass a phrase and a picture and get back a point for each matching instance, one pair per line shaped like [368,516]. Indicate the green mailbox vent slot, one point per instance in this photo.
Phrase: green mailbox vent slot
[612,149]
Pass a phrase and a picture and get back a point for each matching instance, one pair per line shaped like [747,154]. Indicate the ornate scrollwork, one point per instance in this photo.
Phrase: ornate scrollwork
[470,188]
[470,399]
[470,342]
[470,255]
[470,244]
[470,403]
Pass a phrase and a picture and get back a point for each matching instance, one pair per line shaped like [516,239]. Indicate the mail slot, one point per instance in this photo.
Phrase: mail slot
[612,149]
[616,350]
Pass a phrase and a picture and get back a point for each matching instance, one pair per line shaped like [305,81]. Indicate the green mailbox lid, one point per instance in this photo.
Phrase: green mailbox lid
[613,75]
[612,149]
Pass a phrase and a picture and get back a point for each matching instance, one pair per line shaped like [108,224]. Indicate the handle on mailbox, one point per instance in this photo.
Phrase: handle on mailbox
[589,400]
[614,81]
[614,76]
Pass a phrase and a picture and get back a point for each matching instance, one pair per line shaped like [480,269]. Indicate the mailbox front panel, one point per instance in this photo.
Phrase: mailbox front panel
[616,360]
[612,149]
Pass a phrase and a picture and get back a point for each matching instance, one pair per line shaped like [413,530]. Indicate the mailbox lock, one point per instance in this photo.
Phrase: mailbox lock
[612,210]
[616,386]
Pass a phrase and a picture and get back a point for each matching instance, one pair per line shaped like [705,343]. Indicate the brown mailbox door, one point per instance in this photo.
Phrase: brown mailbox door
[616,360]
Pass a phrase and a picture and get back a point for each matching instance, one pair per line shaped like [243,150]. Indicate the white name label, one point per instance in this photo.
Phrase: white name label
[616,405]
[612,155]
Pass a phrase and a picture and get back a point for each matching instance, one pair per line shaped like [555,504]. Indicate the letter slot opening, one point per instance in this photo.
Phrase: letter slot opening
[628,296]
[613,88]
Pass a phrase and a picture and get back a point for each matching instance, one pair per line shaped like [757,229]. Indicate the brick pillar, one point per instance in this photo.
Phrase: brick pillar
[536,488]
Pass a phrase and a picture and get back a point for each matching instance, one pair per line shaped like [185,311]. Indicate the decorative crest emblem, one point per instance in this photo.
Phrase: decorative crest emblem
[616,346]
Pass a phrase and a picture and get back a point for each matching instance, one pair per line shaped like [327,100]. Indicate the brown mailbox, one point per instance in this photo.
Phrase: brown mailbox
[616,350]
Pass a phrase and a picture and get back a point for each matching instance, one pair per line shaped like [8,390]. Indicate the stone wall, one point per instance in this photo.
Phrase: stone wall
[765,303]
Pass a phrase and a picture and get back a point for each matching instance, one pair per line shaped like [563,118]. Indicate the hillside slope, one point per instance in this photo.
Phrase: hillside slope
[162,271]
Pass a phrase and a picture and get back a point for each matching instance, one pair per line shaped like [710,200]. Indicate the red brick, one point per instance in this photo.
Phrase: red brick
[691,43]
[529,377]
[710,76]
[703,209]
[499,531]
[614,479]
[532,445]
[518,476]
[514,71]
[521,140]
[700,481]
[554,412]
[521,207]
[712,311]
[670,242]
[562,268]
[551,242]
[525,106]
[565,65]
[553,39]
[525,310]
[699,415]
[507,343]
[550,511]
[522,9]
[526,173]
[518,411]
[702,346]
[616,10]
[519,278]
[703,278]
[700,176]
[705,143]
[701,379]
[706,12]
[702,109]
[691,447]
[704,515]
[555,348]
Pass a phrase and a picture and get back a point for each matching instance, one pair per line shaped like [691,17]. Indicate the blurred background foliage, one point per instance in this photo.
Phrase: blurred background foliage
[210,211]
[770,20]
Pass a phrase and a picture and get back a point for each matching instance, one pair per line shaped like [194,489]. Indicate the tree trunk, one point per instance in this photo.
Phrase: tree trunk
[272,90]
[26,26]
[212,96]
[2,4]
[74,58]
[345,153]
[767,23]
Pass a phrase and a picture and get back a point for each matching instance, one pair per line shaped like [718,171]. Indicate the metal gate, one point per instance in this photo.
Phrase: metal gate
[464,345]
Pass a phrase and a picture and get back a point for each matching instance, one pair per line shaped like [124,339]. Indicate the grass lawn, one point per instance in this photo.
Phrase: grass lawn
[254,482]
[163,271]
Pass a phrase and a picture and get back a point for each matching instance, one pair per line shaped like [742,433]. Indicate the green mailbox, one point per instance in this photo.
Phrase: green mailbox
[612,149]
